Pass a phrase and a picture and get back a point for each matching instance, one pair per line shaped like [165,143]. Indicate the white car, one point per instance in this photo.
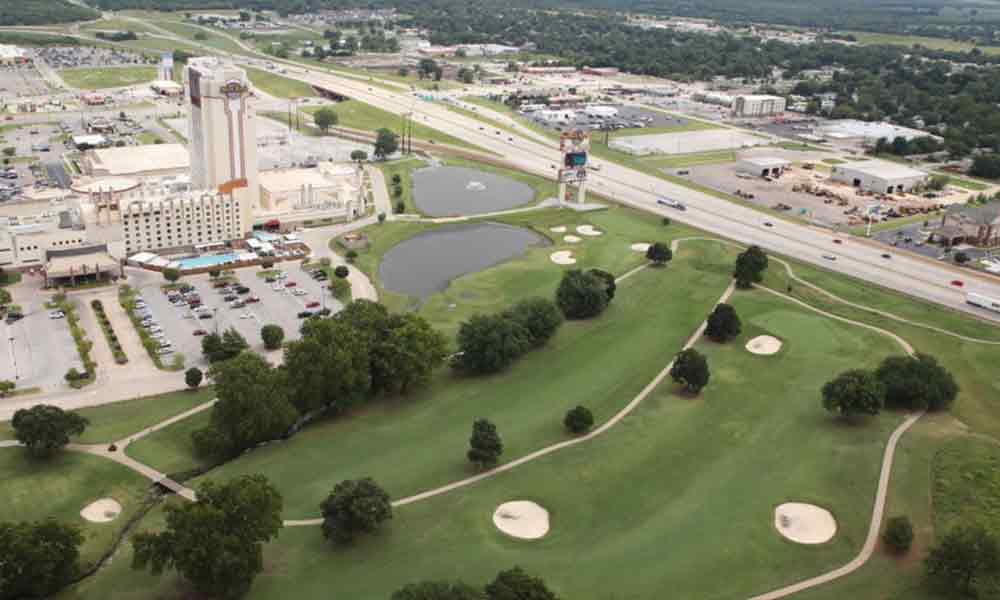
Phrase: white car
[57,314]
[299,292]
[277,287]
[246,315]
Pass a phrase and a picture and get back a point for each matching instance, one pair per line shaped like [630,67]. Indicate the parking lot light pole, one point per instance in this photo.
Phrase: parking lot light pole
[215,317]
[13,357]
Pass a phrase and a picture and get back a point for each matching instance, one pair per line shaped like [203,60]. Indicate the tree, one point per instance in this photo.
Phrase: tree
[986,166]
[44,428]
[898,535]
[325,118]
[541,318]
[426,67]
[39,558]
[579,420]
[329,367]
[515,584]
[490,343]
[5,297]
[9,151]
[723,324]
[215,273]
[437,590]
[171,275]
[272,335]
[485,445]
[193,377]
[386,142]
[659,253]
[965,556]
[341,271]
[216,541]
[609,282]
[854,392]
[750,267]
[351,256]
[252,407]
[581,295]
[217,348]
[690,368]
[6,387]
[961,258]
[916,383]
[354,506]
[359,156]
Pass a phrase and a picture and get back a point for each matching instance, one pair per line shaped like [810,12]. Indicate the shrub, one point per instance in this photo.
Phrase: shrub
[273,335]
[193,377]
[898,535]
[351,256]
[916,383]
[581,295]
[579,420]
[490,343]
[723,324]
[539,317]
[660,253]
[341,271]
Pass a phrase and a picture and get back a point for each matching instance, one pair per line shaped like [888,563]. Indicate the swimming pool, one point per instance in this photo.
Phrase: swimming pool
[202,262]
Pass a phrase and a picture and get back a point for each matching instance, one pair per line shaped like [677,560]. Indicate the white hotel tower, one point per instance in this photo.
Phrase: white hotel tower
[223,130]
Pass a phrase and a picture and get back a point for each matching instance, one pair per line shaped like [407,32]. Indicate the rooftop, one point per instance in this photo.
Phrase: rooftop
[766,161]
[131,160]
[327,175]
[882,169]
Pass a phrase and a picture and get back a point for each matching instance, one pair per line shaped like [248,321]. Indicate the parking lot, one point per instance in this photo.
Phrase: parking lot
[628,117]
[30,141]
[37,351]
[21,81]
[67,57]
[280,307]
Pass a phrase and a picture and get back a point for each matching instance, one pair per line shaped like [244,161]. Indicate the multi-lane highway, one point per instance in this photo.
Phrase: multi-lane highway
[903,272]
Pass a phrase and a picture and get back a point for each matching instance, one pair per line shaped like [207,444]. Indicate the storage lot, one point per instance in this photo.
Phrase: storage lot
[20,81]
[278,307]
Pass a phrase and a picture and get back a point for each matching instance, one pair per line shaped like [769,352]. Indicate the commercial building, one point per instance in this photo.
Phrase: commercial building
[974,225]
[601,112]
[183,219]
[870,132]
[151,160]
[73,264]
[878,176]
[24,240]
[762,166]
[328,187]
[223,129]
[755,105]
[93,140]
[165,87]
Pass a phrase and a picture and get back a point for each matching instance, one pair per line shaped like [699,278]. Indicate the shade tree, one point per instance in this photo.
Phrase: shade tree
[690,369]
[854,392]
[485,445]
[45,428]
[354,507]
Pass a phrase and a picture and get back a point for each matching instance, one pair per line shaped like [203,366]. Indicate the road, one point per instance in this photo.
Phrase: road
[905,273]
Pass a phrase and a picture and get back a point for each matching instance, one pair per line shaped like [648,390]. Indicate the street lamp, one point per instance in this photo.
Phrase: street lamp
[215,317]
[13,357]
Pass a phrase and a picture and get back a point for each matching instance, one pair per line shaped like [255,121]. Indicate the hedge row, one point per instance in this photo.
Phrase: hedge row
[109,332]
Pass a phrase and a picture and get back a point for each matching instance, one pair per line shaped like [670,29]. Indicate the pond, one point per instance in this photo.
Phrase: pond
[453,191]
[426,263]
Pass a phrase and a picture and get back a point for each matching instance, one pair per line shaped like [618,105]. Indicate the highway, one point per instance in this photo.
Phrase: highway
[910,274]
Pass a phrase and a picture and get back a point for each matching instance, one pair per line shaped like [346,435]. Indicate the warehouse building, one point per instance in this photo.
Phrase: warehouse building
[878,176]
[758,106]
[762,166]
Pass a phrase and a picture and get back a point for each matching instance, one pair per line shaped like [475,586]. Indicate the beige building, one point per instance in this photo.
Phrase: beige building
[152,160]
[24,240]
[754,105]
[328,187]
[222,129]
[182,219]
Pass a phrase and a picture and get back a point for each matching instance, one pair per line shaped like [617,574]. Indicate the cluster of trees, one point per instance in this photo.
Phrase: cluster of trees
[986,166]
[512,584]
[358,354]
[900,146]
[116,36]
[900,382]
[491,343]
[39,558]
[428,68]
[965,563]
[221,347]
[44,428]
[386,142]
[43,12]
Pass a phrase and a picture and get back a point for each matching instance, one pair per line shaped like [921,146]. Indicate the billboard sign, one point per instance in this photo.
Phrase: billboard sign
[576,159]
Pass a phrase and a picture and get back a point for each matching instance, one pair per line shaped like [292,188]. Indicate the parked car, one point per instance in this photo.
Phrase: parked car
[57,314]
[13,317]
[312,304]
[198,332]
[305,314]
[252,299]
[237,304]
[290,284]
[205,315]
[229,297]
[957,282]
[242,289]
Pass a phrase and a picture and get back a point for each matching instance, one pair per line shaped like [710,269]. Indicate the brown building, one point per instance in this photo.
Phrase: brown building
[974,225]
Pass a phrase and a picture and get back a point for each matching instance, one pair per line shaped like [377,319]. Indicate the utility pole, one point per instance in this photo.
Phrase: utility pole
[13,356]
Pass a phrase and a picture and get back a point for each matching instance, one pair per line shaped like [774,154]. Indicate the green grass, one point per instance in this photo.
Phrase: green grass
[118,25]
[404,168]
[691,159]
[934,43]
[966,184]
[112,422]
[214,40]
[60,486]
[679,492]
[111,77]
[688,125]
[278,86]
[149,137]
[355,114]
[967,484]
[834,161]
[159,44]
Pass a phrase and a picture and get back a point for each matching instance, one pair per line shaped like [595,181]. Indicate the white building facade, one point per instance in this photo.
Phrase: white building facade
[758,106]
[878,176]
[183,219]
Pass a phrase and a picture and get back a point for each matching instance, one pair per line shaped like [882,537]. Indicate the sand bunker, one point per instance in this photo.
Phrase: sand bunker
[764,344]
[522,519]
[640,247]
[588,230]
[559,229]
[562,257]
[572,239]
[101,511]
[804,523]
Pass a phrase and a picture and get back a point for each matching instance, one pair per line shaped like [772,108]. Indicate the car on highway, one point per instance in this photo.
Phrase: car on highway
[768,224]
[886,256]
[829,257]
[838,241]
[57,314]
[199,332]
[205,315]
[671,203]
[957,282]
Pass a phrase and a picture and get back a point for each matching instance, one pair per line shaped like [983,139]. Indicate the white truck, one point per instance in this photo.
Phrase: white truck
[983,301]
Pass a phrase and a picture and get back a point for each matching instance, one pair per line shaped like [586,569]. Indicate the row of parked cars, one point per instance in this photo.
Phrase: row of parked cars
[152,327]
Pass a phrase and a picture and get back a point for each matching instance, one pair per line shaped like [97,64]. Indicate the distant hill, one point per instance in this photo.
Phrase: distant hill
[43,12]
